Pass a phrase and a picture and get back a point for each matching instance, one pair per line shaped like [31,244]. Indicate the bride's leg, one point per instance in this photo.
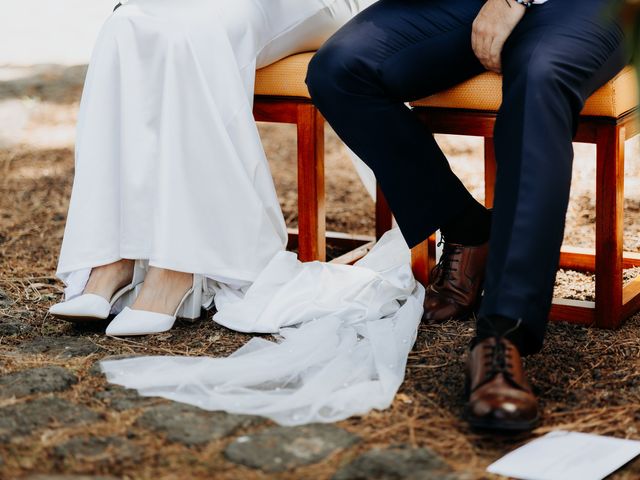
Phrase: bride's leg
[106,280]
[163,290]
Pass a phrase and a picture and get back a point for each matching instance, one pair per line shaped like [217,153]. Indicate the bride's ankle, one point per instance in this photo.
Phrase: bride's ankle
[105,280]
[163,290]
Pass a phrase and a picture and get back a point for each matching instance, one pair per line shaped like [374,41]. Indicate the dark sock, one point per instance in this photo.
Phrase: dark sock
[498,326]
[471,228]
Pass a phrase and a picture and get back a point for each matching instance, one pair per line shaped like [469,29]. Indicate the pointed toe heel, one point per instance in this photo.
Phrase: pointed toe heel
[90,307]
[140,322]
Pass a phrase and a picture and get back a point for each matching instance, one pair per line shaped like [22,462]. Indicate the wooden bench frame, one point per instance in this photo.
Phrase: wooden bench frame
[613,302]
[311,236]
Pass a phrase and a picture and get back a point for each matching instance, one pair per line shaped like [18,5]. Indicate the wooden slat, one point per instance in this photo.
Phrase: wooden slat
[580,259]
[584,259]
[481,124]
[573,311]
[336,239]
[631,298]
[457,122]
[353,256]
[348,239]
[278,111]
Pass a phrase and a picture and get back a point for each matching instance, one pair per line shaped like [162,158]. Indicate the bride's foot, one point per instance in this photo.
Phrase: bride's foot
[107,285]
[108,279]
[165,295]
[162,291]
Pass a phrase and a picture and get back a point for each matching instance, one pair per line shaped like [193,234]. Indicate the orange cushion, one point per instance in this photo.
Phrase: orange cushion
[285,78]
[484,92]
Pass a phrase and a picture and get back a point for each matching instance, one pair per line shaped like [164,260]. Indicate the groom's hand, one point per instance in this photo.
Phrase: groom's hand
[492,27]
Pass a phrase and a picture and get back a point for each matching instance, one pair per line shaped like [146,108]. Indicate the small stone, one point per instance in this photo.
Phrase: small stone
[36,380]
[61,347]
[279,449]
[190,425]
[98,450]
[397,463]
[23,418]
[9,327]
[5,300]
[67,477]
[120,399]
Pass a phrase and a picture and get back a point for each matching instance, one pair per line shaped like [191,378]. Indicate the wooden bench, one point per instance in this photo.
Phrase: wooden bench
[608,119]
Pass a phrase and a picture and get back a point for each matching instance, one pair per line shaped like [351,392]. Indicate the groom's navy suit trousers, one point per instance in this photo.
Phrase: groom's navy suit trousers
[402,50]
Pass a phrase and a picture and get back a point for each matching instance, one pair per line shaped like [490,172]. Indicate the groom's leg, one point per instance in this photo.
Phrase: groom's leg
[394,52]
[555,58]
[558,55]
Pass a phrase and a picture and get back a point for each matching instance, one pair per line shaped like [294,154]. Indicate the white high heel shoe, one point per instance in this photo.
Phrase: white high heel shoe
[90,307]
[140,322]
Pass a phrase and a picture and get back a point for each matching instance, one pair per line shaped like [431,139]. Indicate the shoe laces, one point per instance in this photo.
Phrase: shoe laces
[498,359]
[449,261]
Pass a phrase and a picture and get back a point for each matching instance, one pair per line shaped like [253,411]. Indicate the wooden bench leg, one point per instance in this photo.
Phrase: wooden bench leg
[609,224]
[490,168]
[311,194]
[384,217]
[423,259]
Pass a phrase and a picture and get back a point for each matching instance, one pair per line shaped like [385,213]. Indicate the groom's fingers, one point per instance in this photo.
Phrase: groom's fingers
[491,28]
[483,51]
[475,39]
[480,42]
[495,52]
[487,59]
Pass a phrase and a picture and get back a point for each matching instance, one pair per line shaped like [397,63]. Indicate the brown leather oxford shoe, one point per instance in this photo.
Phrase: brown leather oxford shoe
[500,395]
[456,285]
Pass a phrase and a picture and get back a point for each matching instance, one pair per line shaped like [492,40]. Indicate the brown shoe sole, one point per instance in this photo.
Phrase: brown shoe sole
[465,317]
[501,425]
[497,425]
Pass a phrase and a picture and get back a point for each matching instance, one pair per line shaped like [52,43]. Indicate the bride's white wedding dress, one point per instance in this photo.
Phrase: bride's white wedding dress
[170,169]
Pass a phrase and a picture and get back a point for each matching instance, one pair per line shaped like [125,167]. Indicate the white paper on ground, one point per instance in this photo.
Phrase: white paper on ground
[562,455]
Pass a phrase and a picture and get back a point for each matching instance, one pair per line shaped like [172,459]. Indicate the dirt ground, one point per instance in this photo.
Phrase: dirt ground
[587,379]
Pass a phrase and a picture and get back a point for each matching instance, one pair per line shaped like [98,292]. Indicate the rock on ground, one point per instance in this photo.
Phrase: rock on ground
[191,425]
[9,327]
[98,450]
[67,477]
[36,380]
[60,347]
[25,418]
[397,463]
[5,300]
[120,399]
[279,449]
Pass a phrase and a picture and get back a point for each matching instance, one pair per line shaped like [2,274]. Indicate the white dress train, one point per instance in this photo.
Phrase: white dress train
[170,168]
[344,336]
